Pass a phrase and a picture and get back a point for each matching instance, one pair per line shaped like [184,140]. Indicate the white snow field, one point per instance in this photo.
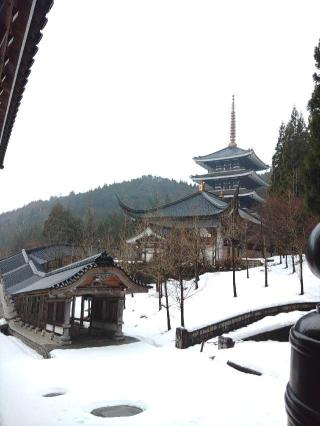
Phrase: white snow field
[173,387]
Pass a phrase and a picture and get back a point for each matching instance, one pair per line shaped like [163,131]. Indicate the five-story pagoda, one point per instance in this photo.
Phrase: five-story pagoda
[233,167]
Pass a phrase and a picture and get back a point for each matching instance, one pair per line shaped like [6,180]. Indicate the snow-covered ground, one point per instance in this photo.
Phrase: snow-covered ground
[174,387]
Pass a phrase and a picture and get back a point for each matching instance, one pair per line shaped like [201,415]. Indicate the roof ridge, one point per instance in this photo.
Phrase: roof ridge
[223,149]
[208,196]
[15,269]
[85,262]
[161,206]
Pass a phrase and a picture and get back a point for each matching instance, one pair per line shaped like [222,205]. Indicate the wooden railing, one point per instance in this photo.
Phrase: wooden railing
[185,338]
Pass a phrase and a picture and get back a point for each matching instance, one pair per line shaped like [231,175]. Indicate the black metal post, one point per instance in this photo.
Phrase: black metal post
[303,389]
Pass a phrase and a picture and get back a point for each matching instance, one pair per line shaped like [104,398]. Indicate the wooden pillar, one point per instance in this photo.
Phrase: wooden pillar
[54,315]
[40,316]
[73,309]
[45,312]
[104,310]
[118,335]
[90,312]
[65,338]
[28,309]
[82,311]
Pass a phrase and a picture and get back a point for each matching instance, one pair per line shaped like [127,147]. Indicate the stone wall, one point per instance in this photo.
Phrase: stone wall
[185,338]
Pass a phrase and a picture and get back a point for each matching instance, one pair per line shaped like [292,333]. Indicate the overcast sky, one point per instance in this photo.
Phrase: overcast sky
[124,88]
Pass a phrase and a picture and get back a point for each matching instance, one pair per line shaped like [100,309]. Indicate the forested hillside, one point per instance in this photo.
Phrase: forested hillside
[23,227]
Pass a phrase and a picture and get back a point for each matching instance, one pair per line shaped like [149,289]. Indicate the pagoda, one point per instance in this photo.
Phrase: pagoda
[231,168]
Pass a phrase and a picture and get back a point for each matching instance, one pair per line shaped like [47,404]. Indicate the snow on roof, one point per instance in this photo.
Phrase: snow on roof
[148,232]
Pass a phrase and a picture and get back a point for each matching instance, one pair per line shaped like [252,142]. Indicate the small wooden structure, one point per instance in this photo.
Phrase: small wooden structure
[85,297]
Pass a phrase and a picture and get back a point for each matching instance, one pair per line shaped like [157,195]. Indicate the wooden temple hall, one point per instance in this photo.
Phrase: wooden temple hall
[84,298]
[231,170]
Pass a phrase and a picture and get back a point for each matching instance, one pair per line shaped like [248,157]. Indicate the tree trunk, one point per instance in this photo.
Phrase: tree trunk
[286,262]
[280,259]
[159,285]
[167,305]
[196,272]
[181,302]
[265,272]
[301,275]
[233,271]
[293,265]
[265,263]
[247,265]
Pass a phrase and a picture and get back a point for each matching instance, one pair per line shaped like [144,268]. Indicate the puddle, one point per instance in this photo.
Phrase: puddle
[50,395]
[54,392]
[117,411]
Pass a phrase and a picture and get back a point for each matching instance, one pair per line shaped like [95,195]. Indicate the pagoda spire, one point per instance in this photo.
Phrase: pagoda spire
[232,142]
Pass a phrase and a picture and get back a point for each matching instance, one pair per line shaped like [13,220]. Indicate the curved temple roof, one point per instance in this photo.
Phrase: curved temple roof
[201,205]
[231,174]
[232,152]
[20,274]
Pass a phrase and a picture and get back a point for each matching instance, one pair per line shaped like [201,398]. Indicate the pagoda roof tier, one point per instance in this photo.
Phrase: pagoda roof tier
[201,208]
[250,175]
[230,153]
[243,193]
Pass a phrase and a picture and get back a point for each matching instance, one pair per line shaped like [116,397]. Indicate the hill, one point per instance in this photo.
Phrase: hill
[23,227]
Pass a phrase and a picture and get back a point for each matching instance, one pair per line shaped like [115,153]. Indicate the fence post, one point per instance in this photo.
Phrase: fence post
[181,338]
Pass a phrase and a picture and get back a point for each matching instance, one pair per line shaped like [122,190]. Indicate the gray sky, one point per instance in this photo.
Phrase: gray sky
[124,88]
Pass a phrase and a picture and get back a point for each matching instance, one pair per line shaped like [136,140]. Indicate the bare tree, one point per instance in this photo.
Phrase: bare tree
[179,266]
[290,224]
[233,229]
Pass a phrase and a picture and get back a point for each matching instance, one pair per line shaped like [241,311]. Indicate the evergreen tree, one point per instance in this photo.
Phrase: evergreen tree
[62,227]
[312,163]
[276,159]
[287,162]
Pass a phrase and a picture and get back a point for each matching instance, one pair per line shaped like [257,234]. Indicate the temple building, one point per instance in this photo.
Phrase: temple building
[48,307]
[231,168]
[200,210]
[232,173]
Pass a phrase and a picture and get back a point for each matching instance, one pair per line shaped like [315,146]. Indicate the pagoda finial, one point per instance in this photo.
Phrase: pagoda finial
[232,142]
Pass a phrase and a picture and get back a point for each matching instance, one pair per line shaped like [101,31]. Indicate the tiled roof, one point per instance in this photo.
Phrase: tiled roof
[244,193]
[41,255]
[216,176]
[194,205]
[202,205]
[233,153]
[228,152]
[24,278]
[12,262]
[18,275]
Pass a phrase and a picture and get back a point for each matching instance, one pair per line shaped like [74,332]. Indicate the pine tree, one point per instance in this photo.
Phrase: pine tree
[287,162]
[62,227]
[276,160]
[312,163]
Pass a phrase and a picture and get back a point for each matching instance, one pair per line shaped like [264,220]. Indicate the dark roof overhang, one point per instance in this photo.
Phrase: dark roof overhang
[231,154]
[217,176]
[21,22]
[203,204]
